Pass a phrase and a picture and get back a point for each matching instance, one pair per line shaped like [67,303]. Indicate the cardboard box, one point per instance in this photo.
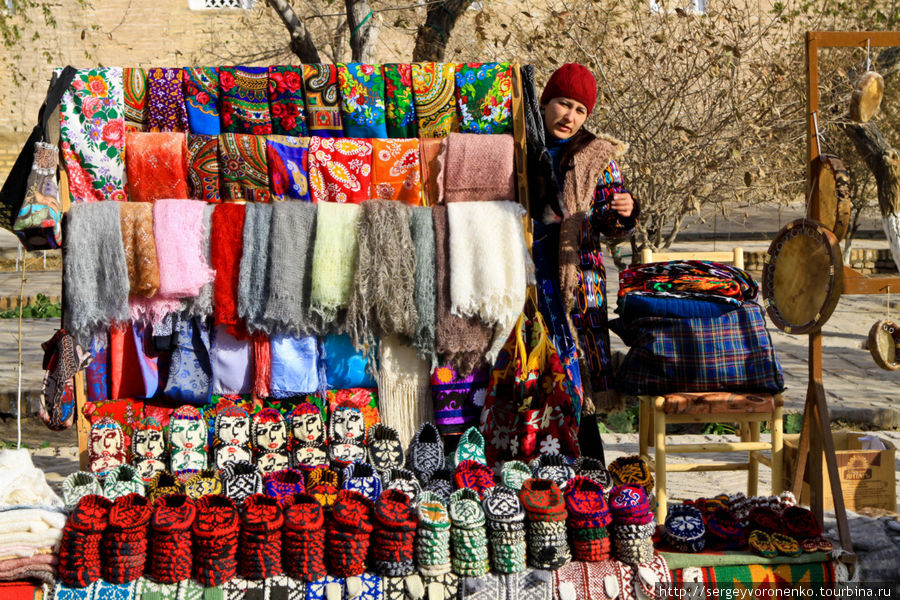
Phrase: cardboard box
[867,476]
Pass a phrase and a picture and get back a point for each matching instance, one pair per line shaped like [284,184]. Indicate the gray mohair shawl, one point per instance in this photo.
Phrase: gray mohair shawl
[421,224]
[253,280]
[202,304]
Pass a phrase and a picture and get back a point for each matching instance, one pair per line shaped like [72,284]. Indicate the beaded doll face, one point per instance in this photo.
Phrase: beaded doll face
[272,461]
[308,427]
[148,443]
[311,456]
[234,430]
[188,433]
[348,423]
[271,436]
[227,454]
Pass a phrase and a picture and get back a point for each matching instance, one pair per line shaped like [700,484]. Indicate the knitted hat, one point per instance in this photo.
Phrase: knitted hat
[242,479]
[121,481]
[685,530]
[801,523]
[574,81]
[148,439]
[724,531]
[306,423]
[232,426]
[269,431]
[78,485]
[106,448]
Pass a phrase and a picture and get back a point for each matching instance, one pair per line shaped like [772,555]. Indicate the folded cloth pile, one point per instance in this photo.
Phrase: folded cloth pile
[347,534]
[685,530]
[506,529]
[394,535]
[170,534]
[468,534]
[588,518]
[303,540]
[433,536]
[125,539]
[633,524]
[215,532]
[28,538]
[545,511]
[79,552]
[260,538]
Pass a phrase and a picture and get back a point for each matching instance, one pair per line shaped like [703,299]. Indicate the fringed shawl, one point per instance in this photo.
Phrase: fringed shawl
[253,283]
[202,304]
[291,242]
[225,252]
[421,224]
[334,260]
[382,301]
[404,388]
[136,220]
[95,274]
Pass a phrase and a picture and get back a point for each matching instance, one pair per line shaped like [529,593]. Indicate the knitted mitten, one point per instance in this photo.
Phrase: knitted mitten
[125,539]
[269,431]
[307,426]
[307,457]
[232,427]
[260,538]
[303,542]
[183,461]
[342,452]
[79,550]
[78,485]
[242,479]
[215,533]
[347,534]
[121,481]
[148,448]
[170,532]
[106,447]
[394,535]
[147,468]
[271,462]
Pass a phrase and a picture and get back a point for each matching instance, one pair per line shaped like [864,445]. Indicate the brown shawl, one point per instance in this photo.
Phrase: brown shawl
[136,219]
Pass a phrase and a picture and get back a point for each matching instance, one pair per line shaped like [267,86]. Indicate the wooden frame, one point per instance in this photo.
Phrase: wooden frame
[736,256]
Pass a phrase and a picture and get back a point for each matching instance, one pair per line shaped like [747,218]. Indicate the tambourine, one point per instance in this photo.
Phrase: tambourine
[831,191]
[802,277]
[866,98]
[884,344]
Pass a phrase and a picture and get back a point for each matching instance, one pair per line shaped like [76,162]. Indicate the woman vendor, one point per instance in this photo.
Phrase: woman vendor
[578,196]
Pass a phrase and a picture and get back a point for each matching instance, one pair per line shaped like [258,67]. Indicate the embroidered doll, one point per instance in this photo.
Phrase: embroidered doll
[187,440]
[307,436]
[231,437]
[106,447]
[148,448]
[269,436]
[346,434]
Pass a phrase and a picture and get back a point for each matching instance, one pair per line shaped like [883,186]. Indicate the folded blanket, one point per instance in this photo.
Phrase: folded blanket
[286,107]
[340,170]
[165,101]
[136,220]
[243,100]
[41,567]
[362,100]
[8,551]
[433,87]
[646,304]
[156,166]
[396,172]
[225,251]
[39,539]
[291,250]
[701,279]
[382,301]
[323,115]
[95,275]
[421,225]
[201,99]
[253,282]
[31,519]
[399,110]
[478,168]
[484,97]
[334,260]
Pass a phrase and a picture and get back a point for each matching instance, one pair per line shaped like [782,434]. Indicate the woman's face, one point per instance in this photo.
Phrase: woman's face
[107,441]
[188,434]
[349,423]
[308,427]
[234,430]
[271,436]
[563,117]
[148,443]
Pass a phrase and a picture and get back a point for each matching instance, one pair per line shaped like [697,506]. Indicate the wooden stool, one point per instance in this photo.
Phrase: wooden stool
[748,410]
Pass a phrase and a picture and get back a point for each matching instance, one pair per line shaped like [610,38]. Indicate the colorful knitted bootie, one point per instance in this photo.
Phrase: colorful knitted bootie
[125,539]
[474,475]
[347,534]
[215,533]
[441,483]
[307,457]
[260,538]
[343,453]
[383,447]
[242,480]
[588,518]
[425,454]
[204,483]
[470,447]
[323,484]
[630,505]
[542,500]
[363,478]
[163,484]
[284,483]
[514,474]
[506,529]
[79,550]
[632,470]
[555,467]
[433,536]
[121,481]
[545,513]
[685,530]
[405,481]
[724,531]
[592,468]
[394,534]
[232,427]
[170,533]
[78,485]
[468,535]
[303,543]
[306,424]
[148,448]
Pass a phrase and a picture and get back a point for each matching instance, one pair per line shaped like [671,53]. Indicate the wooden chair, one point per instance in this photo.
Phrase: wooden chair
[747,410]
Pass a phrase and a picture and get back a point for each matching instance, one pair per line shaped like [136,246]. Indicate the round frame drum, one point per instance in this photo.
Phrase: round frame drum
[884,344]
[831,191]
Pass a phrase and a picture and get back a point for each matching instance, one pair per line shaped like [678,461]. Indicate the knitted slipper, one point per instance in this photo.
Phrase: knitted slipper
[502,506]
[343,452]
[426,452]
[307,426]
[441,483]
[724,531]
[543,500]
[187,460]
[786,545]
[260,537]
[353,511]
[78,485]
[514,474]
[232,427]
[554,467]
[302,512]
[465,509]
[106,447]
[148,439]
[270,462]
[384,449]
[363,478]
[347,423]
[685,530]
[121,481]
[204,483]
[228,453]
[322,483]
[163,484]
[281,484]
[215,533]
[632,470]
[594,469]
[268,431]
[630,504]
[170,526]
[470,447]
[147,468]
[761,543]
[474,475]
[309,456]
[405,481]
[241,480]
[394,511]
[187,429]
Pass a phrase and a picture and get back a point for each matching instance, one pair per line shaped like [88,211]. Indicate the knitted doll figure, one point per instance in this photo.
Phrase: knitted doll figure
[187,460]
[270,462]
[106,447]
[310,456]
[307,426]
[228,453]
[148,448]
[232,426]
[269,431]
[187,430]
[347,423]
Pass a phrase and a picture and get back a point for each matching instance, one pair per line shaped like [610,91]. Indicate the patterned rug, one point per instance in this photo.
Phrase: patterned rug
[712,558]
[758,580]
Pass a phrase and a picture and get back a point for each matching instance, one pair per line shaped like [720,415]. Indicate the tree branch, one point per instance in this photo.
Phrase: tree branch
[301,40]
[363,26]
[432,37]
[882,159]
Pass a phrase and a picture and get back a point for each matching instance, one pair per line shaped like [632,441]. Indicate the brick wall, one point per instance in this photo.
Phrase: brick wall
[864,260]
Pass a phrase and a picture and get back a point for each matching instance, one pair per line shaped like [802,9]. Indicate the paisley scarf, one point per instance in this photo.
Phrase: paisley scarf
[322,111]
[135,98]
[203,167]
[165,102]
[340,170]
[244,102]
[288,173]
[433,85]
[156,166]
[242,159]
[396,171]
[362,100]
[400,111]
[286,107]
[201,98]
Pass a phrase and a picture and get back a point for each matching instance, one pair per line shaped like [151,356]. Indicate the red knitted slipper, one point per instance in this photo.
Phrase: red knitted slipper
[170,527]
[394,510]
[260,537]
[215,531]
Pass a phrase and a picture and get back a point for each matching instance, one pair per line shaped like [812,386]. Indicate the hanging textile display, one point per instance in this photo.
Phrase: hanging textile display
[253,283]
[291,250]
[133,372]
[396,172]
[190,368]
[201,305]
[421,225]
[201,99]
[92,135]
[340,170]
[362,100]
[226,241]
[231,362]
[203,167]
[287,109]
[479,168]
[287,162]
[242,160]
[345,367]
[95,276]
[457,398]
[433,96]
[334,259]
[139,245]
[165,101]
[430,152]
[323,115]
[399,109]
[295,368]
[484,97]
[156,166]
[243,100]
[134,94]
[404,392]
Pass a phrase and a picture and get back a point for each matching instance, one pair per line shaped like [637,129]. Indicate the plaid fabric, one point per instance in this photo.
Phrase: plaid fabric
[732,352]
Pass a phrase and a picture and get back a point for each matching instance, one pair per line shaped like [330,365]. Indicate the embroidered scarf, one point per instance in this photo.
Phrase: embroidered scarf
[95,274]
[189,369]
[203,167]
[201,99]
[287,162]
[334,259]
[431,151]
[92,135]
[242,159]
[484,97]
[243,100]
[400,111]
[421,225]
[139,245]
[202,304]
[362,100]
[323,116]
[433,85]
[382,300]
[286,107]
[134,92]
[253,283]
[226,242]
[463,342]
[396,172]
[165,102]
[340,170]
[291,243]
[156,166]
[479,168]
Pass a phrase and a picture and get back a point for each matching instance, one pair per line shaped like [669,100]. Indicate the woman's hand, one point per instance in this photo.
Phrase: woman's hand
[622,203]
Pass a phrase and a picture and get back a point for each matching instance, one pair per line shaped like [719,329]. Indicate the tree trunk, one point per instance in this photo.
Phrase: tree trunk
[432,37]
[301,40]
[364,26]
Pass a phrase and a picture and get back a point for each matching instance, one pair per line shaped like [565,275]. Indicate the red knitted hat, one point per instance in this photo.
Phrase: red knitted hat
[574,81]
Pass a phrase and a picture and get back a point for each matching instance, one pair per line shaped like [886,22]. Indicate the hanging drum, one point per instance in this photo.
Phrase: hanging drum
[866,98]
[802,277]
[831,192]
[884,344]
